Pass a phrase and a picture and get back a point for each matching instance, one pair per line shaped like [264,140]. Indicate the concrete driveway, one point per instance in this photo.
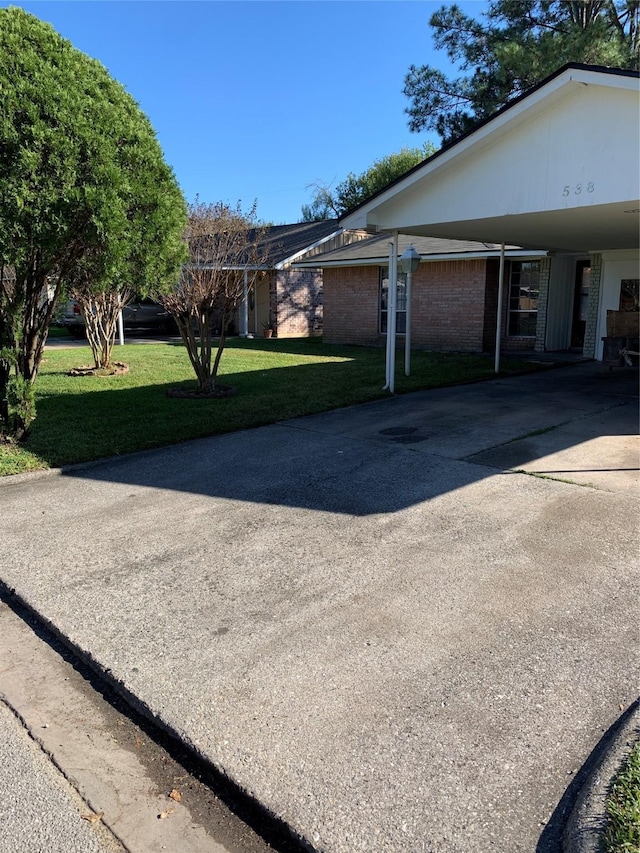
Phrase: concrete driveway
[366,619]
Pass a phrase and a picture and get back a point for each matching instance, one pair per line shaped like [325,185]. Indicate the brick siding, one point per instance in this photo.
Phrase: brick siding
[297,306]
[595,283]
[448,306]
[543,305]
[490,304]
[351,306]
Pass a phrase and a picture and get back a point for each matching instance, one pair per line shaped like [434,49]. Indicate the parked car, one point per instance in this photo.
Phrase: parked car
[138,316]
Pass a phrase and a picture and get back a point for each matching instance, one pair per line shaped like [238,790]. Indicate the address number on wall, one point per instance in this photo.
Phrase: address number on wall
[579,189]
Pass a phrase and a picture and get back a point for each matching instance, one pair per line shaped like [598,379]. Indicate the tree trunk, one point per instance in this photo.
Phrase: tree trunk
[100,312]
[197,341]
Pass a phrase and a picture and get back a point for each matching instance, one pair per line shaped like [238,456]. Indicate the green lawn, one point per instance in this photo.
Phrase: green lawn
[86,418]
[623,808]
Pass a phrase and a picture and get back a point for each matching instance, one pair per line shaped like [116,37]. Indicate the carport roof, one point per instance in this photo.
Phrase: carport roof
[375,251]
[518,177]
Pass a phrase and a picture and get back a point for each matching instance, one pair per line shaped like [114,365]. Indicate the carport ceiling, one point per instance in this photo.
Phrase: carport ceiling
[613,226]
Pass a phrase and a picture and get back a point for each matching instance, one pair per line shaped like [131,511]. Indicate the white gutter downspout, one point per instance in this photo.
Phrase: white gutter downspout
[244,314]
[392,301]
[499,320]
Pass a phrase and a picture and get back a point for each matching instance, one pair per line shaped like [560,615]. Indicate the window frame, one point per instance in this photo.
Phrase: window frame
[383,313]
[532,268]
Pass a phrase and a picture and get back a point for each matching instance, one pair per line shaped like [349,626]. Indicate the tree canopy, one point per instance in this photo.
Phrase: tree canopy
[85,191]
[516,45]
[355,189]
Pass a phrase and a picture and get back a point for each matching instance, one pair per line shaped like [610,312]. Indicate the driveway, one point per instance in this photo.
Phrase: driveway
[366,619]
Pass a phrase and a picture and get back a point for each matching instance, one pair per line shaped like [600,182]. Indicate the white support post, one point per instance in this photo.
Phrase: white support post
[387,356]
[499,318]
[392,312]
[255,308]
[244,308]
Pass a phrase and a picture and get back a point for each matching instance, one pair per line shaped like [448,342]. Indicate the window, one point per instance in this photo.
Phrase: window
[524,289]
[401,307]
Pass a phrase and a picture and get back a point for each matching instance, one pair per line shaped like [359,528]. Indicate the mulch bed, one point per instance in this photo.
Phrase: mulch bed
[116,369]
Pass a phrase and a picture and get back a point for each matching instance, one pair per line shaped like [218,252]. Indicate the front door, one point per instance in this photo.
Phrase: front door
[580,300]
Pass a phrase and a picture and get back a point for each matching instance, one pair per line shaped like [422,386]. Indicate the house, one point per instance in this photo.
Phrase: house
[289,299]
[556,170]
[455,293]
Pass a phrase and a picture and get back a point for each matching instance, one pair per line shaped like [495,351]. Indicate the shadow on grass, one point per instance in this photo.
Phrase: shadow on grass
[121,420]
[116,415]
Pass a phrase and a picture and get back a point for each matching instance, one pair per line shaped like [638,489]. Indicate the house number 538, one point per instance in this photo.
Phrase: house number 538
[578,189]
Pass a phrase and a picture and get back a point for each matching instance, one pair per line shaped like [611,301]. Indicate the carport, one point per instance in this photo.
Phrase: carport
[557,169]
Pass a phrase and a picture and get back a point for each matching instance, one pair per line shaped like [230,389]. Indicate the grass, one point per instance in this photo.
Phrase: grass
[623,808]
[85,418]
[555,479]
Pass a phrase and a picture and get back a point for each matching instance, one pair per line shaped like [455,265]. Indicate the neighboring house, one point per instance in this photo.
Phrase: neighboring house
[289,299]
[558,170]
[455,293]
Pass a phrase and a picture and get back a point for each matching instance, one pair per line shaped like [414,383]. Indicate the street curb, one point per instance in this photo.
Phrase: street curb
[274,830]
[586,824]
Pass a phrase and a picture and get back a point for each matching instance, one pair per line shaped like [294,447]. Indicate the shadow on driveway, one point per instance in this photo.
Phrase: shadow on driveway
[581,420]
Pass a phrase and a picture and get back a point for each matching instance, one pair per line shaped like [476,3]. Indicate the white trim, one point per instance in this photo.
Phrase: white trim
[392,302]
[496,361]
[521,254]
[289,260]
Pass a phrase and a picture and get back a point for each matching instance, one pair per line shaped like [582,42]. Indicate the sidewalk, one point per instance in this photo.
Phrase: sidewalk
[364,618]
[40,810]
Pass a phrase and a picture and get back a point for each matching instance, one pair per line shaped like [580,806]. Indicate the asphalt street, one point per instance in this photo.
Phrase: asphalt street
[400,626]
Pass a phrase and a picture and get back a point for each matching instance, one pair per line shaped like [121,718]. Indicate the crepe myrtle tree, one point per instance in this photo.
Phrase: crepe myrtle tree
[84,191]
[226,246]
[100,309]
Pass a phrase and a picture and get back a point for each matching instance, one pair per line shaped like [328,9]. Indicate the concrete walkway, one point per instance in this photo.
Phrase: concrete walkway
[40,809]
[365,618]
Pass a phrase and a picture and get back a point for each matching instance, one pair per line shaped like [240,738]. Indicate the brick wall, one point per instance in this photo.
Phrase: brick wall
[351,306]
[490,304]
[448,305]
[593,303]
[299,298]
[543,305]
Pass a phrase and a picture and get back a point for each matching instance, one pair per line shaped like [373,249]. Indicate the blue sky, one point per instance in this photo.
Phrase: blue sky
[259,100]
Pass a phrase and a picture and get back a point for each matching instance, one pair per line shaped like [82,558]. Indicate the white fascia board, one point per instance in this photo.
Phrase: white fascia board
[226,269]
[365,216]
[288,261]
[426,259]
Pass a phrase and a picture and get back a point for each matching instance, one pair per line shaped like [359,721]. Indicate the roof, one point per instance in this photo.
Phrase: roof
[375,251]
[540,172]
[287,242]
[277,247]
[578,66]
